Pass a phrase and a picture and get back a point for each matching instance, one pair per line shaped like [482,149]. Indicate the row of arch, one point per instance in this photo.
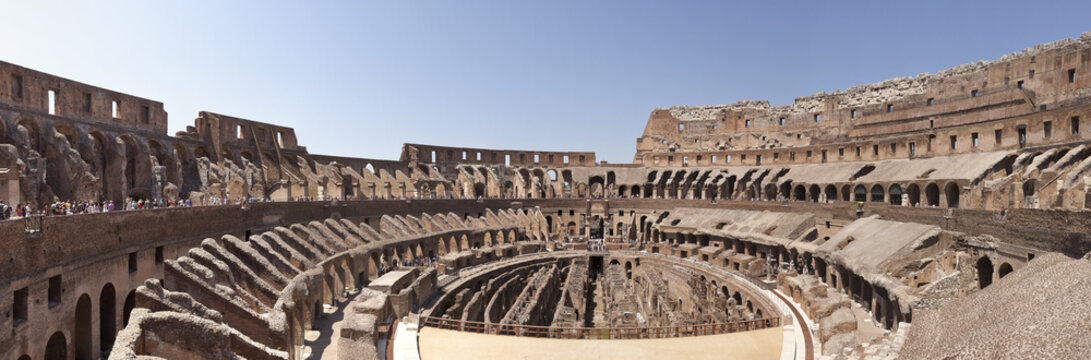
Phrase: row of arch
[90,315]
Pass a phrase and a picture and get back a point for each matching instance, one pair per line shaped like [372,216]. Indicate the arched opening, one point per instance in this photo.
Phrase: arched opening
[107,306]
[127,309]
[57,347]
[877,193]
[571,228]
[831,193]
[860,193]
[1004,270]
[629,270]
[846,193]
[914,193]
[799,193]
[951,190]
[815,191]
[931,194]
[895,194]
[984,272]
[83,328]
[634,191]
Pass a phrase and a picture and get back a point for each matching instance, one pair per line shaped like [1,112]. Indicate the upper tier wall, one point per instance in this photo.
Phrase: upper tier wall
[1048,77]
[25,88]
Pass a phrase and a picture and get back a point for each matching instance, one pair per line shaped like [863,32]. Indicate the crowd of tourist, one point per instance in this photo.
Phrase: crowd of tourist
[419,261]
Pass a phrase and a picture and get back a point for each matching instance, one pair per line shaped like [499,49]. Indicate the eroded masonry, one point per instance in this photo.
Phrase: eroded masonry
[938,216]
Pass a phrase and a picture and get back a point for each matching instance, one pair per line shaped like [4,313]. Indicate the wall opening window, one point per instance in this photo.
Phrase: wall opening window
[875,150]
[747,123]
[159,253]
[808,154]
[565,159]
[713,159]
[781,121]
[912,149]
[776,156]
[1019,84]
[931,124]
[893,148]
[1075,125]
[433,151]
[931,101]
[54,296]
[1030,74]
[507,160]
[685,160]
[52,102]
[954,142]
[145,114]
[280,144]
[581,159]
[792,155]
[132,262]
[758,159]
[536,158]
[1071,76]
[19,308]
[1022,131]
[729,158]
[889,107]
[852,114]
[857,151]
[973,139]
[998,134]
[463,155]
[817,117]
[840,151]
[238,131]
[478,156]
[681,127]
[17,86]
[973,93]
[1047,129]
[824,156]
[114,111]
[86,102]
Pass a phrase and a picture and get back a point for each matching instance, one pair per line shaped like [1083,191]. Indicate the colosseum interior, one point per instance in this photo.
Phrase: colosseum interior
[941,216]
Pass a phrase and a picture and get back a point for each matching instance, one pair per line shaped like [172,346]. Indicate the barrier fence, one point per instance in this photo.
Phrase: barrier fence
[599,333]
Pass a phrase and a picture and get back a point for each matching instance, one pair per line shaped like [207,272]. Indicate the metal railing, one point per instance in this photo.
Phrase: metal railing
[658,332]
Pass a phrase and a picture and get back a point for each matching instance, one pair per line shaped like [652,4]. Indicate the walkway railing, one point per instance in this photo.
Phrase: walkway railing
[600,333]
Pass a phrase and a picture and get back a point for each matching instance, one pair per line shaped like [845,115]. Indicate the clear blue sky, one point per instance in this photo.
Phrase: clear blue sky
[359,79]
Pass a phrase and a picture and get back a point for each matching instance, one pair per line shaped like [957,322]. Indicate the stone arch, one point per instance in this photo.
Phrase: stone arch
[57,347]
[1003,270]
[813,193]
[137,172]
[859,193]
[34,134]
[895,194]
[465,242]
[984,272]
[952,192]
[931,194]
[69,134]
[799,193]
[103,164]
[201,152]
[635,191]
[877,193]
[914,192]
[127,309]
[83,328]
[107,317]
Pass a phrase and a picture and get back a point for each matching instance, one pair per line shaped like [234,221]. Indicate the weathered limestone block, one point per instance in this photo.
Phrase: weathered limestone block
[839,322]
